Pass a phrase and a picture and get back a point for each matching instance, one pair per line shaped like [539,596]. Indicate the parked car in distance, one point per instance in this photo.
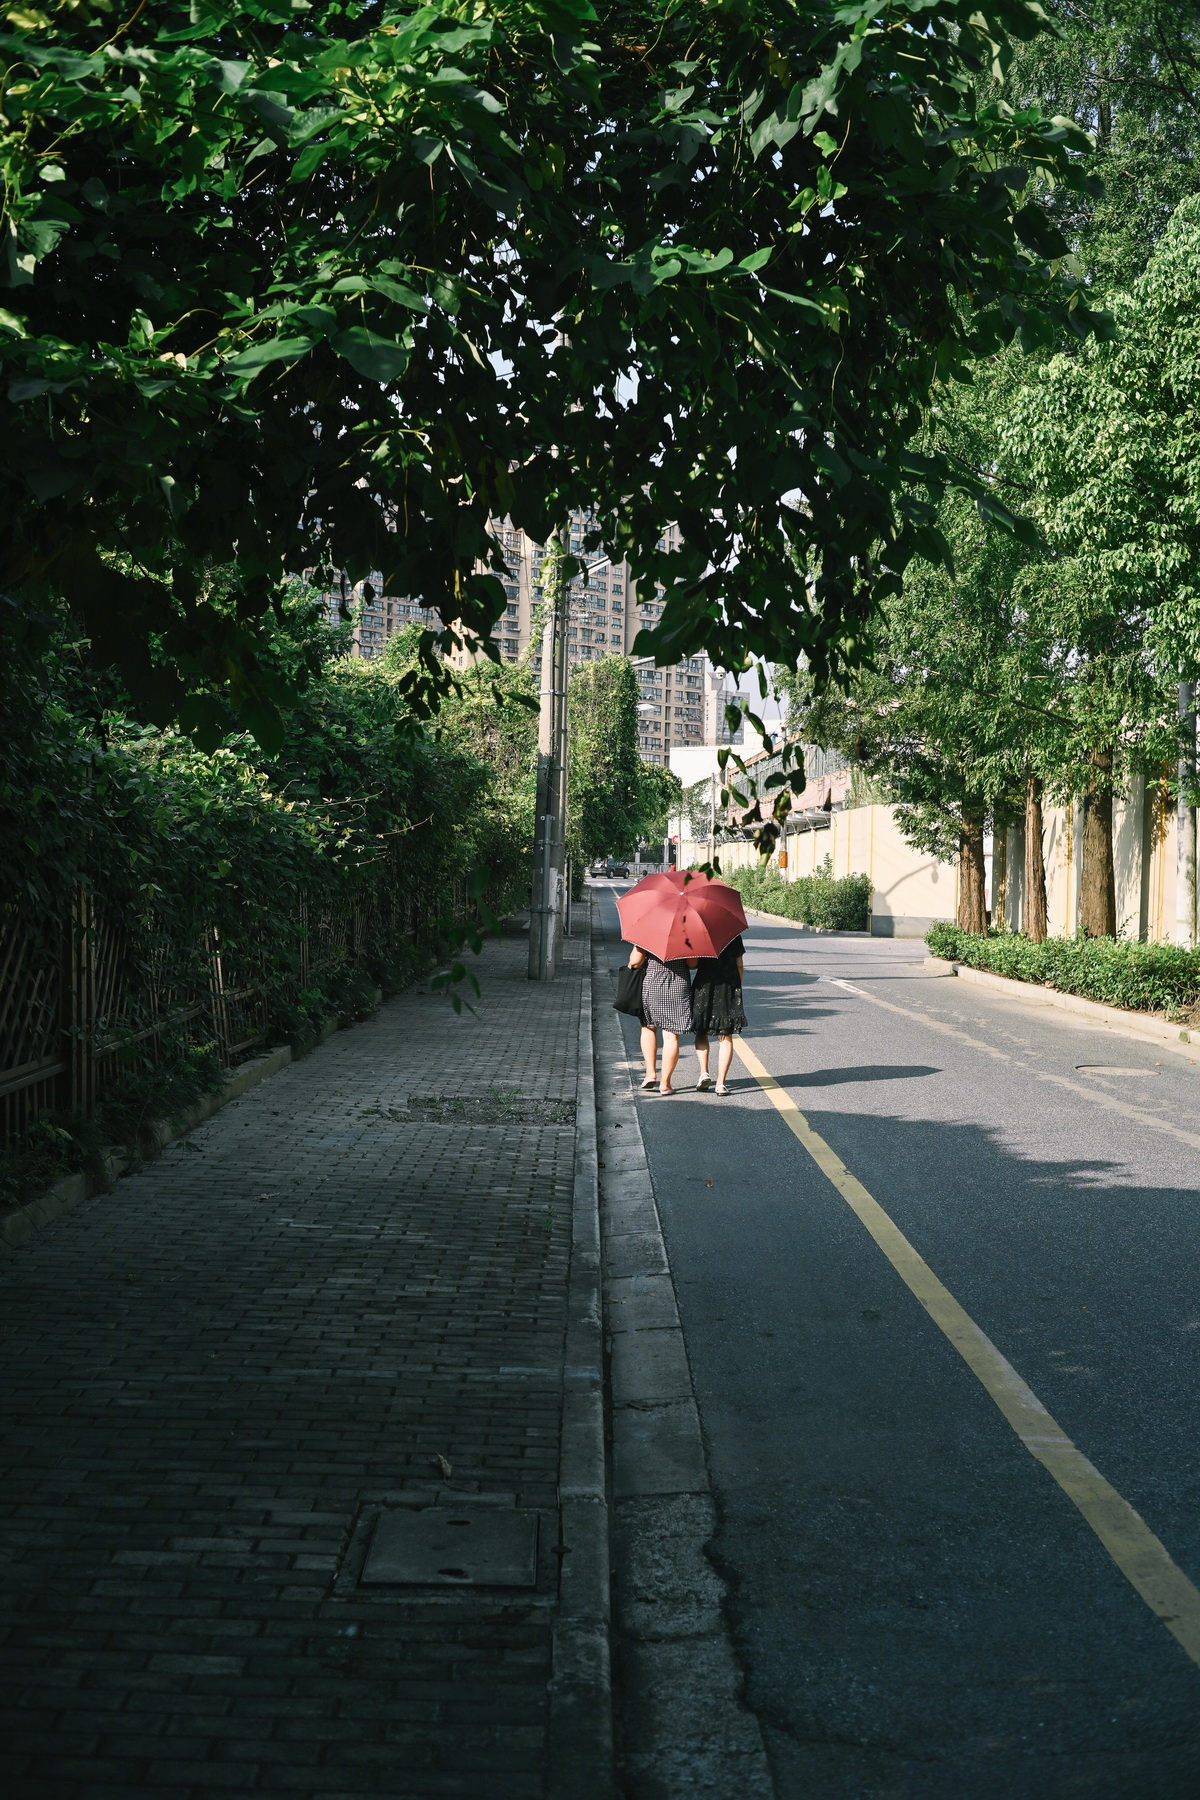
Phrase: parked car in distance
[606,865]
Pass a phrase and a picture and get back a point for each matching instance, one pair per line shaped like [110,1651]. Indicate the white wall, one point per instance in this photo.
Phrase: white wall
[909,891]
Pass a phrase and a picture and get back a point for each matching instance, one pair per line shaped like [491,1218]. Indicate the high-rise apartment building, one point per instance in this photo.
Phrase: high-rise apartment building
[375,621]
[681,704]
[604,619]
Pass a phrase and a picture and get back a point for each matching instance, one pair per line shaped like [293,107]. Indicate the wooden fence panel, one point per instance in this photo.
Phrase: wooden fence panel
[81,1009]
[34,1061]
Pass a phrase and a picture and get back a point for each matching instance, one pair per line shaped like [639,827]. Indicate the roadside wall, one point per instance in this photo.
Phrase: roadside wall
[909,890]
[1144,832]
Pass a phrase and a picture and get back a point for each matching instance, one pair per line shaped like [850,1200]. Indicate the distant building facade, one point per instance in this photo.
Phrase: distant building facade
[605,617]
[679,705]
[374,621]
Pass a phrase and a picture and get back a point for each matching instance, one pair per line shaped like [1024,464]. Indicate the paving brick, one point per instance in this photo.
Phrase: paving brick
[215,1372]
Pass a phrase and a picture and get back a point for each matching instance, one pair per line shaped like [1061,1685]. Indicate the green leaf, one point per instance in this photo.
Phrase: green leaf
[270,350]
[230,75]
[378,358]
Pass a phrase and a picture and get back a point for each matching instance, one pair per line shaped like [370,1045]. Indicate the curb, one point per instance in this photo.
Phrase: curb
[25,1221]
[581,1705]
[686,1728]
[770,918]
[1113,1018]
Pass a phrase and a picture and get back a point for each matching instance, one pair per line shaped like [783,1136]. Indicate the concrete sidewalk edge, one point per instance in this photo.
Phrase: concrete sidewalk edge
[687,1728]
[581,1722]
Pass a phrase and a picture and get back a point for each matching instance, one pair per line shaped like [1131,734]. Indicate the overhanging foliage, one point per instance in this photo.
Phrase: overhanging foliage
[327,287]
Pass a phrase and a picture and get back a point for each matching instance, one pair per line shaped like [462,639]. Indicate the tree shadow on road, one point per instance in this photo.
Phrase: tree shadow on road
[812,1078]
[880,1526]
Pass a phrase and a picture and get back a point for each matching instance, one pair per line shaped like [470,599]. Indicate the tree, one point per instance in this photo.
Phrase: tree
[698,807]
[329,295]
[1110,441]
[1056,666]
[661,794]
[953,717]
[490,716]
[1129,70]
[605,782]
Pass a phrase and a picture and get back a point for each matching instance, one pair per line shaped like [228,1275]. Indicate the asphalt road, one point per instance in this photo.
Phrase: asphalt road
[921,1612]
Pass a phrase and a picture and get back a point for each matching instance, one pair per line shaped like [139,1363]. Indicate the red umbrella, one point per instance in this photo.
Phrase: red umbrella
[681,914]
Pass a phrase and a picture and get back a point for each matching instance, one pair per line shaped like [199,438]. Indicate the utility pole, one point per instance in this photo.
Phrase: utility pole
[1185,820]
[712,817]
[562,609]
[550,902]
[549,844]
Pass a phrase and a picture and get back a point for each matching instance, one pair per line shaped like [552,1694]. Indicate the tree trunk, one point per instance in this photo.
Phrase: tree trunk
[1185,820]
[1035,862]
[999,877]
[1097,883]
[971,914]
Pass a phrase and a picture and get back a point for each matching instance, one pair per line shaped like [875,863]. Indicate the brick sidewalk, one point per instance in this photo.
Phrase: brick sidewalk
[326,1302]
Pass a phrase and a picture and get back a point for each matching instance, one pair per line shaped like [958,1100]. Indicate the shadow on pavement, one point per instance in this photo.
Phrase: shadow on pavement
[866,1072]
[920,1612]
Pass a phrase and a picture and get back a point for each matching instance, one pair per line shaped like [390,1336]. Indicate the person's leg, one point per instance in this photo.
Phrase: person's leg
[670,1057]
[724,1059]
[702,1056]
[649,1053]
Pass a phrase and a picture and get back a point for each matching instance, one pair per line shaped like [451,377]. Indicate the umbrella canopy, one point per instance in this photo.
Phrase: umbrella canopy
[681,914]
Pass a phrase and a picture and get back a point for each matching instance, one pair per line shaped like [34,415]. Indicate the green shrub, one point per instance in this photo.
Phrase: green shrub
[943,939]
[821,900]
[350,858]
[141,1096]
[1117,971]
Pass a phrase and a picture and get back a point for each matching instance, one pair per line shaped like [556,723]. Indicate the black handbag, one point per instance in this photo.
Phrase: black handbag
[629,990]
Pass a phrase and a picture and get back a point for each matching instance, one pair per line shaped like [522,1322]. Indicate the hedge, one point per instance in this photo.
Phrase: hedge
[1160,978]
[347,860]
[820,900]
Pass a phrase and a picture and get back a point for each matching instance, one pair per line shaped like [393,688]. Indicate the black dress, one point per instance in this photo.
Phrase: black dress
[717,993]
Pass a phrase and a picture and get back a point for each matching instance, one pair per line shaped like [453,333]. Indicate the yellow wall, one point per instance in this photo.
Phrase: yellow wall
[909,890]
[1144,866]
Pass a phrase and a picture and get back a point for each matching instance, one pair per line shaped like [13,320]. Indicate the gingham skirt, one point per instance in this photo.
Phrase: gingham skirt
[667,995]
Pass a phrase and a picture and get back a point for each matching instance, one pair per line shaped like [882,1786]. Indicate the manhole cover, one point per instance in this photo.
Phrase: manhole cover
[442,1546]
[1114,1069]
[500,1107]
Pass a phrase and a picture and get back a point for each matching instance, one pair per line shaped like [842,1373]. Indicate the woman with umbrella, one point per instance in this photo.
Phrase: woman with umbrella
[717,1006]
[666,1007]
[673,921]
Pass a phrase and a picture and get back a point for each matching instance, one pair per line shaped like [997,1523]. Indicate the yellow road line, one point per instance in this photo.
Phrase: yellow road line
[1139,1555]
